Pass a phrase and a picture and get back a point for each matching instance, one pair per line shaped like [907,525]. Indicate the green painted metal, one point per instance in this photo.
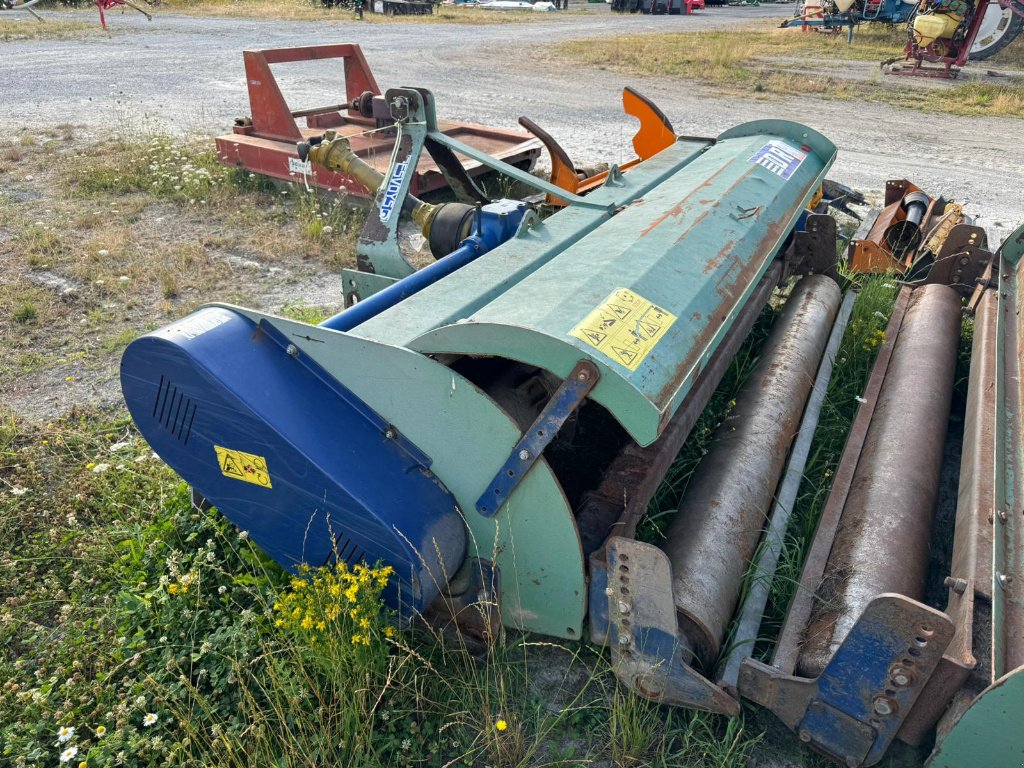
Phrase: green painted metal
[988,734]
[488,277]
[359,285]
[695,245]
[1008,538]
[378,242]
[518,174]
[533,539]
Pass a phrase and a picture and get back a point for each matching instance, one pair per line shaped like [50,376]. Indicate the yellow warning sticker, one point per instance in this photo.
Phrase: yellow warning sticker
[247,467]
[625,327]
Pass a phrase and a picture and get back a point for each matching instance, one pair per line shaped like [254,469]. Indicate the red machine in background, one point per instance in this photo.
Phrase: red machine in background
[265,142]
[944,32]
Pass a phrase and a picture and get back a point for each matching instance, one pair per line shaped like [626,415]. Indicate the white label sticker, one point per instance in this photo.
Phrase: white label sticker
[394,186]
[199,323]
[297,166]
[779,158]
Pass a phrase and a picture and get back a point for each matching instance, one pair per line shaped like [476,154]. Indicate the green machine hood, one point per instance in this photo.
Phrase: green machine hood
[646,287]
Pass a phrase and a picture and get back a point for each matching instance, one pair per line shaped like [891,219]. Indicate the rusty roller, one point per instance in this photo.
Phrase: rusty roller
[721,516]
[882,542]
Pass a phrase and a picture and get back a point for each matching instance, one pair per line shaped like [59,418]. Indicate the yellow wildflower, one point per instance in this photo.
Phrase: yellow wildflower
[501,725]
[389,631]
[307,623]
[172,589]
[335,590]
[321,626]
[356,639]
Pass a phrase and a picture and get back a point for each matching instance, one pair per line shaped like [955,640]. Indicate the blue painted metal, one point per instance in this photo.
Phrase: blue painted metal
[649,654]
[216,378]
[855,708]
[886,12]
[567,398]
[496,223]
[856,694]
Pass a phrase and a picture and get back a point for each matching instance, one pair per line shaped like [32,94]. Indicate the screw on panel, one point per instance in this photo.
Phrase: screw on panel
[805,735]
[524,455]
[1002,515]
[390,433]
[1004,580]
[292,350]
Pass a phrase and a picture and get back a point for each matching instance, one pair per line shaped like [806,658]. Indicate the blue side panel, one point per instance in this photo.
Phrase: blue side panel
[288,454]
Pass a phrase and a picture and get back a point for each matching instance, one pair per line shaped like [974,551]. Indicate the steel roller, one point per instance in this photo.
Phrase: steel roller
[883,538]
[720,518]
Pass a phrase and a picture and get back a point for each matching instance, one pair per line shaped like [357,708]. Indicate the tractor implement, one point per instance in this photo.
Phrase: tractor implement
[264,142]
[494,425]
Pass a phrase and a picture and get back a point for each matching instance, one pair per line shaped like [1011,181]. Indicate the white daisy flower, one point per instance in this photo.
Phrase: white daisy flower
[149,719]
[65,733]
[68,754]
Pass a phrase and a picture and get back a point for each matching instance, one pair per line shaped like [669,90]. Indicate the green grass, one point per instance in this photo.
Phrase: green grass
[755,63]
[121,602]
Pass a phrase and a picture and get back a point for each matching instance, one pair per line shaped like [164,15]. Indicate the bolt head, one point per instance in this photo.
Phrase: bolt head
[900,677]
[524,455]
[805,736]
[883,705]
[292,350]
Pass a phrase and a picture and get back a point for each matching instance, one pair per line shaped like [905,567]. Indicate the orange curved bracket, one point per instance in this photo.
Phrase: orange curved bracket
[656,132]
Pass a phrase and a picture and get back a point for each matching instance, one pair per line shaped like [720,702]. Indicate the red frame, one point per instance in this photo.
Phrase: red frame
[266,145]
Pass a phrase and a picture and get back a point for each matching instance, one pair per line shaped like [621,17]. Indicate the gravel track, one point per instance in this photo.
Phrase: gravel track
[185,74]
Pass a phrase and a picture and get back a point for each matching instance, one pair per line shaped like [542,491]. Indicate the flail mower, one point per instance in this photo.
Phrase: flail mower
[494,425]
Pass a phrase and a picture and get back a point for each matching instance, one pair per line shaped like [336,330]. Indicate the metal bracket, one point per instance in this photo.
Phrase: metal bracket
[648,653]
[569,395]
[377,250]
[854,710]
[516,174]
[814,246]
[359,285]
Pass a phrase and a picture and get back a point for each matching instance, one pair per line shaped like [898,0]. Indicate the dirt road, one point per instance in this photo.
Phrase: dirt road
[185,74]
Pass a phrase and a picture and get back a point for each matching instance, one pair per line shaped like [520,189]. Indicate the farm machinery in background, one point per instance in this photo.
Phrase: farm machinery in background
[948,32]
[101,6]
[265,141]
[494,424]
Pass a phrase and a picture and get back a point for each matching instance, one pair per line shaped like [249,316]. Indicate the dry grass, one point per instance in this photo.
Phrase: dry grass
[112,239]
[783,62]
[306,10]
[23,26]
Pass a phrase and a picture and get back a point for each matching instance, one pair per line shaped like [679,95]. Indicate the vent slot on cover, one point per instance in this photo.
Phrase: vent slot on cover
[174,410]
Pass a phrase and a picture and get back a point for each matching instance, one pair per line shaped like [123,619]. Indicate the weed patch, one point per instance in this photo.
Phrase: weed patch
[25,27]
